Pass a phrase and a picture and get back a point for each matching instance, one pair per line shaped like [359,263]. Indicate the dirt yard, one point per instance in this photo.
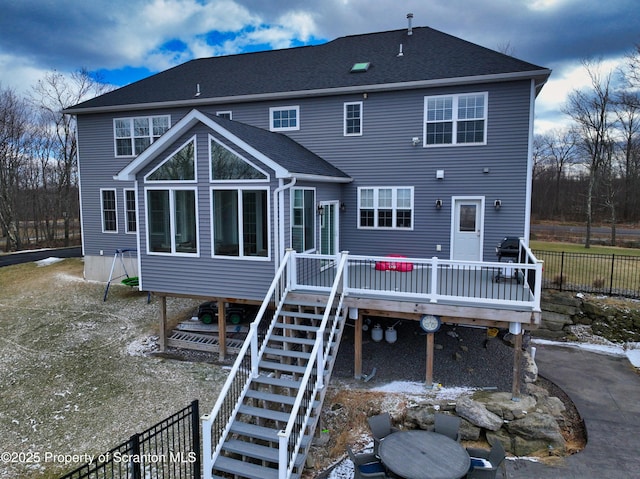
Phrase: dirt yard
[75,379]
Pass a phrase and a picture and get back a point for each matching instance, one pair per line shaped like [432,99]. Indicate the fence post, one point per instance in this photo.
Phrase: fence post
[561,270]
[195,438]
[434,280]
[613,262]
[134,447]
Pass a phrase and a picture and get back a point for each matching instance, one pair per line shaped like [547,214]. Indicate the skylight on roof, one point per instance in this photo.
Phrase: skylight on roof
[360,67]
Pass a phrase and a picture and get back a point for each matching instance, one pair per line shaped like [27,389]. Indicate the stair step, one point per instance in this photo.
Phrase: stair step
[250,449]
[306,303]
[270,397]
[244,469]
[289,353]
[292,339]
[254,431]
[274,366]
[281,382]
[298,314]
[255,451]
[265,413]
[262,433]
[296,327]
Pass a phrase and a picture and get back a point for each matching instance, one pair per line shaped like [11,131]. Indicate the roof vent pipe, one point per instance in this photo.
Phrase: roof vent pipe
[197,90]
[400,54]
[409,18]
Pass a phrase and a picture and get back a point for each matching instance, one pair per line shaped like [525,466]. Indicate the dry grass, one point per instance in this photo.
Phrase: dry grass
[75,379]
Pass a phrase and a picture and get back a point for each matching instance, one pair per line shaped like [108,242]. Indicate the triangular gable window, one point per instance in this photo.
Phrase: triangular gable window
[226,165]
[180,166]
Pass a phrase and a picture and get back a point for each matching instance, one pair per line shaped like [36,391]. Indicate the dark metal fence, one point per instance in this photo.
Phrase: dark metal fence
[170,449]
[613,275]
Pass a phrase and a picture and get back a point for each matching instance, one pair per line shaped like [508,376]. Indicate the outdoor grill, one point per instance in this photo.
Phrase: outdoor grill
[508,248]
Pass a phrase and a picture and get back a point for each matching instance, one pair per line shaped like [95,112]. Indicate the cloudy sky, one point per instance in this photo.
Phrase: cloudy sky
[125,40]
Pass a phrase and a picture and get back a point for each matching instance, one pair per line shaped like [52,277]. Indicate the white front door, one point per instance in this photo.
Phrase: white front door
[467,230]
[329,227]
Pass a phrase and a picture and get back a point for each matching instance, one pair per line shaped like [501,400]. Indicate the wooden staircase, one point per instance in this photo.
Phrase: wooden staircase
[252,448]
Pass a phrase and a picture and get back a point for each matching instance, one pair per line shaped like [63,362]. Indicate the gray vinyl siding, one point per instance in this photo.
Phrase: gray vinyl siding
[382,156]
[204,275]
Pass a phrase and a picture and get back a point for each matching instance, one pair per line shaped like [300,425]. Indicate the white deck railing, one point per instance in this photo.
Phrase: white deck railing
[508,285]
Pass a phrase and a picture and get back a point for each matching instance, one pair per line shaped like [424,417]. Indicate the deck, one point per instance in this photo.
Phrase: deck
[474,290]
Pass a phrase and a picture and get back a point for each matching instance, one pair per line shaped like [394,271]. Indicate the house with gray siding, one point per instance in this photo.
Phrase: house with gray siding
[407,143]
[373,175]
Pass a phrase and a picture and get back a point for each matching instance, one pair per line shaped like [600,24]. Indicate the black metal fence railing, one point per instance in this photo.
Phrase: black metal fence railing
[169,449]
[613,275]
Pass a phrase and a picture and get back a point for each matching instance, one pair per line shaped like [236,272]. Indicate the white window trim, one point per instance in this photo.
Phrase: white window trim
[115,198]
[211,180]
[284,108]
[132,137]
[225,112]
[240,257]
[454,120]
[168,157]
[172,221]
[315,230]
[394,208]
[344,121]
[135,209]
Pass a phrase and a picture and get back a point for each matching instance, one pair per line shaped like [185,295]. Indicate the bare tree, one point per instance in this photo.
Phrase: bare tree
[51,96]
[591,110]
[15,141]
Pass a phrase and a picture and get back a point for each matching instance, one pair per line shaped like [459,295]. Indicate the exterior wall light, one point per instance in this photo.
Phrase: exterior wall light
[415,141]
[497,204]
[438,203]
[320,210]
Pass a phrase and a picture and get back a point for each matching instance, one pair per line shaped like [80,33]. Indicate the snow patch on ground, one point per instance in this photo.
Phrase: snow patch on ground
[419,389]
[143,346]
[48,261]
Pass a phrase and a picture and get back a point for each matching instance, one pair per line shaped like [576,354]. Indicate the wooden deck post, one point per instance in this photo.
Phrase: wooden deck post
[357,347]
[163,323]
[429,380]
[222,331]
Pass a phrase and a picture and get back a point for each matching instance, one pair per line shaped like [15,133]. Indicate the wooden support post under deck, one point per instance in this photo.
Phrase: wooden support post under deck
[222,331]
[357,347]
[163,323]
[517,361]
[429,380]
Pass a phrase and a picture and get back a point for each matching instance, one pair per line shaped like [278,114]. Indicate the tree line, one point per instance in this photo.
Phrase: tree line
[589,171]
[39,195]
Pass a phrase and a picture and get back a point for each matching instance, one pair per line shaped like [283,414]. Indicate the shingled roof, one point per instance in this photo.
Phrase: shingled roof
[397,60]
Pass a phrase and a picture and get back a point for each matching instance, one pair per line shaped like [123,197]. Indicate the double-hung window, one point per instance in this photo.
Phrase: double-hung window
[284,118]
[385,207]
[134,135]
[455,119]
[303,202]
[109,211]
[353,119]
[130,211]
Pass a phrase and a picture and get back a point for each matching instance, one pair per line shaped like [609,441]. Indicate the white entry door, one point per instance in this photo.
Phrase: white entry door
[467,230]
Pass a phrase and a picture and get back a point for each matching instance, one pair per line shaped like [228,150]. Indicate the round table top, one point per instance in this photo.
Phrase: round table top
[424,455]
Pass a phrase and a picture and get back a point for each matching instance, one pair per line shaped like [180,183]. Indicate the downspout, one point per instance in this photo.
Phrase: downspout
[278,220]
[527,218]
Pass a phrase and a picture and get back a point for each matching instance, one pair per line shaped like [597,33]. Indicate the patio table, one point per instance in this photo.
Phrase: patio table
[423,455]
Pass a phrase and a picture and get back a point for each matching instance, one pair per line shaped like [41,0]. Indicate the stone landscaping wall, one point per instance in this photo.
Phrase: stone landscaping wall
[529,426]
[615,320]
